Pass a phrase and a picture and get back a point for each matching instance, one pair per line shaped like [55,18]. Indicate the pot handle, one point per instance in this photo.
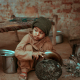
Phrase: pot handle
[2,54]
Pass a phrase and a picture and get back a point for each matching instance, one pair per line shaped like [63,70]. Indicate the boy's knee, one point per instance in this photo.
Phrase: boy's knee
[29,47]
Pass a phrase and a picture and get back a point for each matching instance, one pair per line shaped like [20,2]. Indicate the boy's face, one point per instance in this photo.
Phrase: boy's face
[38,34]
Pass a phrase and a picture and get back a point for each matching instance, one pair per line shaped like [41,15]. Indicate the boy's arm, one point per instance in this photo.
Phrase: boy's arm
[19,51]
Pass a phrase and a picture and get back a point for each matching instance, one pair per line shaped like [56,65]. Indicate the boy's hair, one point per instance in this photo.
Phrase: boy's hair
[44,24]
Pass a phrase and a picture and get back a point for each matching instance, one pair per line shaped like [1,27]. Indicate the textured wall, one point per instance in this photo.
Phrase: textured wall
[68,11]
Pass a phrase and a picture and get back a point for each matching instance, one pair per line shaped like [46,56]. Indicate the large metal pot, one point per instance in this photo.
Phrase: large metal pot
[48,70]
[59,37]
[51,55]
[9,61]
[49,66]
[77,52]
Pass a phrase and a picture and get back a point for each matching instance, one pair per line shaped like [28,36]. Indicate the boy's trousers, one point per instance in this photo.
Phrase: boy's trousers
[26,66]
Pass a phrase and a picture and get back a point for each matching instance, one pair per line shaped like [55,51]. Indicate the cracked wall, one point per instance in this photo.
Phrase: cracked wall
[68,11]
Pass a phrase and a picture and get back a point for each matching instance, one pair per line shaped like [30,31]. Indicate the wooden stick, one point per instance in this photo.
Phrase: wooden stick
[17,36]
[54,29]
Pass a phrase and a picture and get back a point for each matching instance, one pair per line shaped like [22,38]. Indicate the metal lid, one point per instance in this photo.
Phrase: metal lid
[4,52]
[59,33]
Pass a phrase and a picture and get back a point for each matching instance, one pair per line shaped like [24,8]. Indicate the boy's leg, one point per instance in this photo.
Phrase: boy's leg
[19,68]
[25,65]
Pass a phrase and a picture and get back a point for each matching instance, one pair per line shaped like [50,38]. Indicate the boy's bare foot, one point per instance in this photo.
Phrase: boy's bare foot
[23,76]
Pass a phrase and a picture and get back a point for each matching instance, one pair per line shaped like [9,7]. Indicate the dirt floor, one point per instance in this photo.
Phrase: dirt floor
[63,49]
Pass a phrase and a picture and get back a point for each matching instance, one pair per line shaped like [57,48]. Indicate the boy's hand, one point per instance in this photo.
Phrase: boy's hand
[37,54]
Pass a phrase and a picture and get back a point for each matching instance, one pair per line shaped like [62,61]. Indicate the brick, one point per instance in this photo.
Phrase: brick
[3,18]
[4,6]
[7,5]
[31,11]
[22,3]
[51,11]
[76,19]
[57,6]
[67,10]
[10,11]
[68,6]
[53,6]
[67,1]
[50,2]
[76,1]
[59,19]
[78,15]
[76,10]
[2,11]
[59,11]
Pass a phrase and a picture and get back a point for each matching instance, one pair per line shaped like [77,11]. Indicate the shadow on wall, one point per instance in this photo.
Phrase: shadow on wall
[8,40]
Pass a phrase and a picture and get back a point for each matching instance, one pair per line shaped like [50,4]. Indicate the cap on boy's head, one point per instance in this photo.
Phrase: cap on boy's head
[44,24]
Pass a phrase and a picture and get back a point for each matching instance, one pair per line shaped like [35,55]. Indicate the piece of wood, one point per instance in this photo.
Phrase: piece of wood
[17,36]
[54,29]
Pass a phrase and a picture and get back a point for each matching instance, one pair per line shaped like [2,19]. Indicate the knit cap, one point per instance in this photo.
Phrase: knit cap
[42,23]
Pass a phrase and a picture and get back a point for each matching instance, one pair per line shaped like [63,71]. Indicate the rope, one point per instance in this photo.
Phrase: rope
[22,25]
[13,28]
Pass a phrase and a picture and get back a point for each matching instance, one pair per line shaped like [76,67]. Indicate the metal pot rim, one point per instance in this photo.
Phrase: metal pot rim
[4,52]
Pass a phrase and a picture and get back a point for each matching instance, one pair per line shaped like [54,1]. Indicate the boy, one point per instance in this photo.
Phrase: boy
[33,45]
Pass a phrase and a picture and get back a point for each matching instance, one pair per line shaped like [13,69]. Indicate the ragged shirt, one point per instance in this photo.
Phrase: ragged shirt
[24,55]
[42,45]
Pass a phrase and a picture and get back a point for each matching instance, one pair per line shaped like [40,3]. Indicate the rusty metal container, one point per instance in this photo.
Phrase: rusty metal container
[9,61]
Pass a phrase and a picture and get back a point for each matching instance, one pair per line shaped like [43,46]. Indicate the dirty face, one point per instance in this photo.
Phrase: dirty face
[38,34]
